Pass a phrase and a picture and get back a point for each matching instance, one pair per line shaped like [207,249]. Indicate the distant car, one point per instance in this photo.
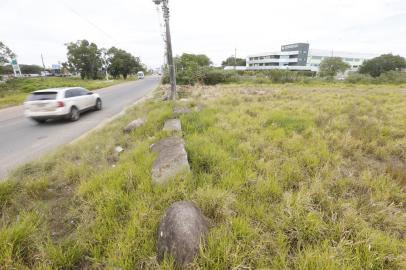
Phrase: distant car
[61,103]
[141,75]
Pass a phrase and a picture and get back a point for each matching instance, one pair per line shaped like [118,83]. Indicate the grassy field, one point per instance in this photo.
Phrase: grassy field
[14,92]
[290,176]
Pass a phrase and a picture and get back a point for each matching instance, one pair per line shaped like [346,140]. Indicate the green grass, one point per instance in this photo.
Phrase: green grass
[290,176]
[15,91]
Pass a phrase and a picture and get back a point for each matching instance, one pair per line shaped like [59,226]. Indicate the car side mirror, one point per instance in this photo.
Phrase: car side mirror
[90,93]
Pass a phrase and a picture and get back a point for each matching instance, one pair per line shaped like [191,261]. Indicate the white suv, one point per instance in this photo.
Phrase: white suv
[61,103]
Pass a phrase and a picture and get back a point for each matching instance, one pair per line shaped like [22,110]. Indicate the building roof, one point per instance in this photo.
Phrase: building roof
[332,53]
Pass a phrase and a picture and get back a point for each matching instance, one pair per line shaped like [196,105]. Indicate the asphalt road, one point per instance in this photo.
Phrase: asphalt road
[22,140]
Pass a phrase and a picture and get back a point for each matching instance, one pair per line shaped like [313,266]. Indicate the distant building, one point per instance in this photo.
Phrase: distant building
[299,56]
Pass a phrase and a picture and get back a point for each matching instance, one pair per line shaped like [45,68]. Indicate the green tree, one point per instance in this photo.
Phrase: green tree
[331,66]
[85,58]
[5,55]
[190,68]
[231,61]
[30,69]
[384,63]
[186,61]
[122,63]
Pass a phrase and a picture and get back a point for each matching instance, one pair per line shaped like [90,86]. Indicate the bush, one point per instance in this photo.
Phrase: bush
[384,63]
[213,77]
[283,76]
[391,77]
[203,75]
[359,78]
[394,77]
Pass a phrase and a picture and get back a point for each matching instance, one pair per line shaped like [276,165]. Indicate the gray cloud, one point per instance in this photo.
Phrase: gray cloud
[212,27]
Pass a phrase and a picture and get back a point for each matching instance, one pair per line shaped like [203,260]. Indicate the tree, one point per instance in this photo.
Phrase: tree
[384,63]
[5,55]
[30,69]
[191,68]
[331,66]
[187,60]
[232,61]
[122,63]
[85,58]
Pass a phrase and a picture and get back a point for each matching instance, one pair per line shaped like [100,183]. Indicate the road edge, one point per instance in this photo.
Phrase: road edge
[109,120]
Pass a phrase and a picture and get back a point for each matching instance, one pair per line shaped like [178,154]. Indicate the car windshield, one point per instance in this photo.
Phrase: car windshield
[42,96]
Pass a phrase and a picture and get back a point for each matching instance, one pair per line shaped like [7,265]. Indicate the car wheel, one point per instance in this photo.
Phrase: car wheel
[98,105]
[74,114]
[39,121]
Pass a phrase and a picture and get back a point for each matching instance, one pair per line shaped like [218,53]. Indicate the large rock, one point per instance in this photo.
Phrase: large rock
[134,125]
[172,159]
[172,125]
[183,228]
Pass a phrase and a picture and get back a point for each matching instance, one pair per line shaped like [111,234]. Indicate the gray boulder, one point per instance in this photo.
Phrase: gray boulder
[183,228]
[172,125]
[134,125]
[172,159]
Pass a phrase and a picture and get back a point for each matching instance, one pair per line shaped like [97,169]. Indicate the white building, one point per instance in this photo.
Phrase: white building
[299,56]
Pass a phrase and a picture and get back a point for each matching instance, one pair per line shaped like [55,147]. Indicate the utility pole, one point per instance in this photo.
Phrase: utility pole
[171,65]
[42,58]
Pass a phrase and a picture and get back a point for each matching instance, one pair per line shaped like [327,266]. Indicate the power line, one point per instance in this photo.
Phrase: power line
[87,20]
[162,30]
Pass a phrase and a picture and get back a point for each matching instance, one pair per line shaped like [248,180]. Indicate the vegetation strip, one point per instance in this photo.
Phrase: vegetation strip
[14,92]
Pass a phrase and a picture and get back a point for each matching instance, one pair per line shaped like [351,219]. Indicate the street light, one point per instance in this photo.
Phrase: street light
[171,65]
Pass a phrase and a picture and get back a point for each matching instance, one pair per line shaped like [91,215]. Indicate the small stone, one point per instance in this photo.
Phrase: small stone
[181,231]
[182,110]
[119,149]
[172,125]
[134,125]
[252,182]
[260,93]
[172,159]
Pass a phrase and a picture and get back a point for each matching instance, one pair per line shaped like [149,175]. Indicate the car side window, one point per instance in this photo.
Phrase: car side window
[69,94]
[76,92]
[83,92]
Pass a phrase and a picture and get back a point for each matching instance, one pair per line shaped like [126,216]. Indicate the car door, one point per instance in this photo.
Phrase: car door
[69,97]
[77,98]
[88,98]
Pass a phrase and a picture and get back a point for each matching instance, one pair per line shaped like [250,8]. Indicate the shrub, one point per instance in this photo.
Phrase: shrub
[214,76]
[283,76]
[359,78]
[391,77]
[384,63]
[394,77]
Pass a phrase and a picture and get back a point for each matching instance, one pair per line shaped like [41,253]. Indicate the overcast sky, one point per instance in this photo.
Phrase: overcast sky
[212,27]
